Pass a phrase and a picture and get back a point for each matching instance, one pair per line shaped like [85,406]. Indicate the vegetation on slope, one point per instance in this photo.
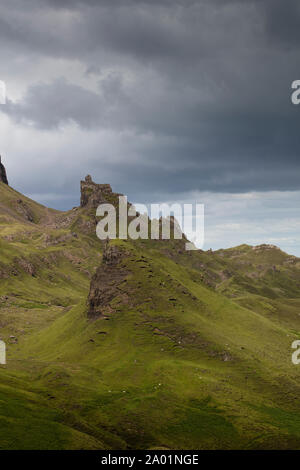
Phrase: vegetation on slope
[184,350]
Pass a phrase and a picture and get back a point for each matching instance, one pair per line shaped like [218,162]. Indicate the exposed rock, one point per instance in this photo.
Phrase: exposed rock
[13,339]
[170,225]
[111,254]
[226,274]
[226,357]
[51,240]
[87,226]
[3,177]
[26,266]
[93,194]
[291,260]
[265,246]
[106,281]
[24,210]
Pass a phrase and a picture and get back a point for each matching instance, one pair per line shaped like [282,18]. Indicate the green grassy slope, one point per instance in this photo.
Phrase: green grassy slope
[193,351]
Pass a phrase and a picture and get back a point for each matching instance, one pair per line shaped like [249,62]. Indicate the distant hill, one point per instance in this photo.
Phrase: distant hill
[141,344]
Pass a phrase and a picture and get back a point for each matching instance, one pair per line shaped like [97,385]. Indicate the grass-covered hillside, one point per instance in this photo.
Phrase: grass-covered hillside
[152,347]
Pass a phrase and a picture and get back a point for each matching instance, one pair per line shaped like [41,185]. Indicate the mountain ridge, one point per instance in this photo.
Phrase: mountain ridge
[140,344]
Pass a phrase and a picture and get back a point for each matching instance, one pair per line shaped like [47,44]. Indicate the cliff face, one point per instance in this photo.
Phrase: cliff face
[105,284]
[3,177]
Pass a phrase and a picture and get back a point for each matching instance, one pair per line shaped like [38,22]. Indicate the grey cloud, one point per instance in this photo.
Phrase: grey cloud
[209,81]
[182,30]
[71,4]
[144,30]
[59,103]
[209,146]
[282,21]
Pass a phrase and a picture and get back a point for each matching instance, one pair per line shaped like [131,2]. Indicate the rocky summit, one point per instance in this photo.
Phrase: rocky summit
[3,177]
[139,344]
[93,194]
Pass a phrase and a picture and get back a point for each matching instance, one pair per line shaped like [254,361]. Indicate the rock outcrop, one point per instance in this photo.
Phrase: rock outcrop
[24,210]
[3,177]
[106,281]
[93,194]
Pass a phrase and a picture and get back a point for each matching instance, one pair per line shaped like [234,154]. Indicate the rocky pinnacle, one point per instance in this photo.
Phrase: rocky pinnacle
[93,194]
[3,177]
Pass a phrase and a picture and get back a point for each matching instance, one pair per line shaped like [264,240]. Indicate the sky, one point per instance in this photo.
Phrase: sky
[166,100]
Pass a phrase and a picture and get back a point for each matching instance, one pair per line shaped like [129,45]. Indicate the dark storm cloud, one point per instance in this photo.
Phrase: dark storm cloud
[71,4]
[282,20]
[210,78]
[141,30]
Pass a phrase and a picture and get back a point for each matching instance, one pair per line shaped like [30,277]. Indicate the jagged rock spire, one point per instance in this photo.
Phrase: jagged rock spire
[3,177]
[93,194]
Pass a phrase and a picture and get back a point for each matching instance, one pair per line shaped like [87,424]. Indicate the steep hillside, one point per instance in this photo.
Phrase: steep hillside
[140,344]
